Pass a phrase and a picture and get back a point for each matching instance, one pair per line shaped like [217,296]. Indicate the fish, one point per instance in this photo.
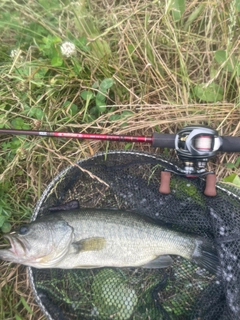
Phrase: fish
[96,238]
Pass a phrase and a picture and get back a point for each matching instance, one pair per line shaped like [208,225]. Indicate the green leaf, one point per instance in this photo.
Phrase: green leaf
[94,112]
[18,123]
[233,178]
[73,109]
[101,98]
[130,48]
[212,93]
[36,113]
[115,117]
[95,85]
[87,95]
[221,56]
[233,165]
[230,165]
[49,40]
[56,61]
[237,163]
[178,8]
[106,84]
[41,73]
[124,114]
[128,146]
[2,220]
[77,67]
[101,95]
[82,41]
[55,39]
[16,143]
[82,44]
[25,304]
[101,106]
[6,227]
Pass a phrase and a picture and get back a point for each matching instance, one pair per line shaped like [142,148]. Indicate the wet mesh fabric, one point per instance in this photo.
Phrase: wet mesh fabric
[130,180]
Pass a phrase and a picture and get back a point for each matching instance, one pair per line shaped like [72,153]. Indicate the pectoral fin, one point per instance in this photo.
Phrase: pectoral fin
[159,262]
[90,244]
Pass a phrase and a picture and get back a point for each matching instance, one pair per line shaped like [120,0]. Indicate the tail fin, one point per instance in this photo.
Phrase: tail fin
[205,255]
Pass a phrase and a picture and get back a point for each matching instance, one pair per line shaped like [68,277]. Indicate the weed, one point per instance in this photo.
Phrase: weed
[98,99]
[233,178]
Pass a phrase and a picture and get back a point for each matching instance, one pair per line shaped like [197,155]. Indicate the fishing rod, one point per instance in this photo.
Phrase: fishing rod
[227,143]
[194,145]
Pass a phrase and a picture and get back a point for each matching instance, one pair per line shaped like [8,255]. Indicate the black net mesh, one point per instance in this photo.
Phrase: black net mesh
[129,180]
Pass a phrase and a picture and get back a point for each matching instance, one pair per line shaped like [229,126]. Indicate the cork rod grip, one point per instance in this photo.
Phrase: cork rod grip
[165,182]
[210,189]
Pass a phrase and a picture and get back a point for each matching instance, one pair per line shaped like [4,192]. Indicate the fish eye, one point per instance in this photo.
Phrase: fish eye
[23,230]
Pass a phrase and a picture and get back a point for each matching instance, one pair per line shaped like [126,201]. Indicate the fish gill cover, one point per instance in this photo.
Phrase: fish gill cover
[130,181]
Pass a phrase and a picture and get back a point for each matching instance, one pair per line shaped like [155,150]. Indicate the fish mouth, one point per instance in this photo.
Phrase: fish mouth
[16,245]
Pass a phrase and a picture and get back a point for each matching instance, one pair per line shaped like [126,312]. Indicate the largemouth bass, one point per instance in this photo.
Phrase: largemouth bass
[94,238]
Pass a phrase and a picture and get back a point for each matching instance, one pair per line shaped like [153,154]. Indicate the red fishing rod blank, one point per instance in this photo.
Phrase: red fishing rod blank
[92,136]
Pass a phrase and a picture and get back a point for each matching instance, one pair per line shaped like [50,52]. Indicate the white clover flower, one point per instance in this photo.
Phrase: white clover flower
[15,52]
[68,49]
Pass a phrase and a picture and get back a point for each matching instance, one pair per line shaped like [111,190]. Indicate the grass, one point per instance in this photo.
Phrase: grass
[139,67]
